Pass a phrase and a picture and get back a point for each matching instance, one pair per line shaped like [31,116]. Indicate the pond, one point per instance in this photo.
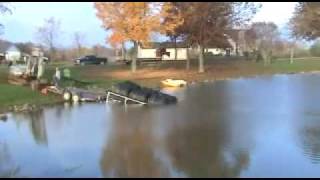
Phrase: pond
[267,126]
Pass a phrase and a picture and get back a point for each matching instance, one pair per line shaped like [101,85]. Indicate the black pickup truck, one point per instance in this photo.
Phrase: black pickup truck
[90,60]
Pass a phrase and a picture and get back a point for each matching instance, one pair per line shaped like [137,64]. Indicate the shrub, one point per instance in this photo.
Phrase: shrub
[315,49]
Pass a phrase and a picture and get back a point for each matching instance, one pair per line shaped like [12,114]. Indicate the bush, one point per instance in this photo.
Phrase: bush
[315,49]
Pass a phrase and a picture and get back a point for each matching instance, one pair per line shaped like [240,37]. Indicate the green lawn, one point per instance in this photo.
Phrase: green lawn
[296,66]
[17,95]
[79,77]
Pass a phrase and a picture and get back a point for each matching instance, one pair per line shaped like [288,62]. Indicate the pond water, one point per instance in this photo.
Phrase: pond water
[257,127]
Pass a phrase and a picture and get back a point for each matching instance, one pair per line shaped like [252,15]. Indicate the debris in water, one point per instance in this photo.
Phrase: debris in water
[3,117]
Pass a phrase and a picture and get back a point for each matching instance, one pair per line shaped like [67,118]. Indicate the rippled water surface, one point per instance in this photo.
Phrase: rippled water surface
[258,127]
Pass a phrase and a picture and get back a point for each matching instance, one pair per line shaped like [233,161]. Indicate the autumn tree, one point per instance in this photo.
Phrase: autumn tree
[48,35]
[207,22]
[78,39]
[174,16]
[305,22]
[132,21]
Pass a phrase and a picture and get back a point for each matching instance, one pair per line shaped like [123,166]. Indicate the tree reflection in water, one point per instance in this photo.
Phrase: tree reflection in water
[36,123]
[130,149]
[198,151]
[199,140]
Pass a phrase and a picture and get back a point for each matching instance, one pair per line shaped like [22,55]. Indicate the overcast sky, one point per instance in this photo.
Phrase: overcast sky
[80,16]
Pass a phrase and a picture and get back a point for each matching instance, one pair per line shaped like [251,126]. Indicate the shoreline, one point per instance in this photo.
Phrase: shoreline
[254,76]
[27,107]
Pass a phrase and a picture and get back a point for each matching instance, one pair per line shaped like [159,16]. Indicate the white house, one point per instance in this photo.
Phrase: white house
[150,51]
[10,52]
[13,54]
[232,44]
[224,47]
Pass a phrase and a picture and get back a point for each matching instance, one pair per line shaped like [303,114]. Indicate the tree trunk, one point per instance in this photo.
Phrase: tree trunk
[79,51]
[40,68]
[188,60]
[291,55]
[264,57]
[175,49]
[51,51]
[134,58]
[201,59]
[123,52]
[237,49]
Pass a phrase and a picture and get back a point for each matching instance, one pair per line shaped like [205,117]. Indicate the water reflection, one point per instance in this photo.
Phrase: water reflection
[307,115]
[197,155]
[310,139]
[7,167]
[261,127]
[37,125]
[200,147]
[130,149]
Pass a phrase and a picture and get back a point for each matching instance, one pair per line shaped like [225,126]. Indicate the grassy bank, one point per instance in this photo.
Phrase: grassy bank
[80,76]
[17,95]
[103,77]
[13,95]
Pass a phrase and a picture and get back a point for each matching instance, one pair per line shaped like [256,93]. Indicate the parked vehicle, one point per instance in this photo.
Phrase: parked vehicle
[90,60]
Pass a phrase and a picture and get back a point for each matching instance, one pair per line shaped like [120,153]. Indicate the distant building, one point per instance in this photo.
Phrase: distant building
[9,52]
[232,43]
[150,51]
[224,47]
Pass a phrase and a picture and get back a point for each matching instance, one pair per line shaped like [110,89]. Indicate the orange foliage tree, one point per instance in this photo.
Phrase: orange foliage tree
[134,22]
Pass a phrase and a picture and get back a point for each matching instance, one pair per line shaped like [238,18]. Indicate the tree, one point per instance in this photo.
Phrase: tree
[207,22]
[250,38]
[305,22]
[267,36]
[96,49]
[25,47]
[132,21]
[4,8]
[174,16]
[48,35]
[78,39]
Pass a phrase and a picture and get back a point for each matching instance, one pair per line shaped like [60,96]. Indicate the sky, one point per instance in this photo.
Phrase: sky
[21,25]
